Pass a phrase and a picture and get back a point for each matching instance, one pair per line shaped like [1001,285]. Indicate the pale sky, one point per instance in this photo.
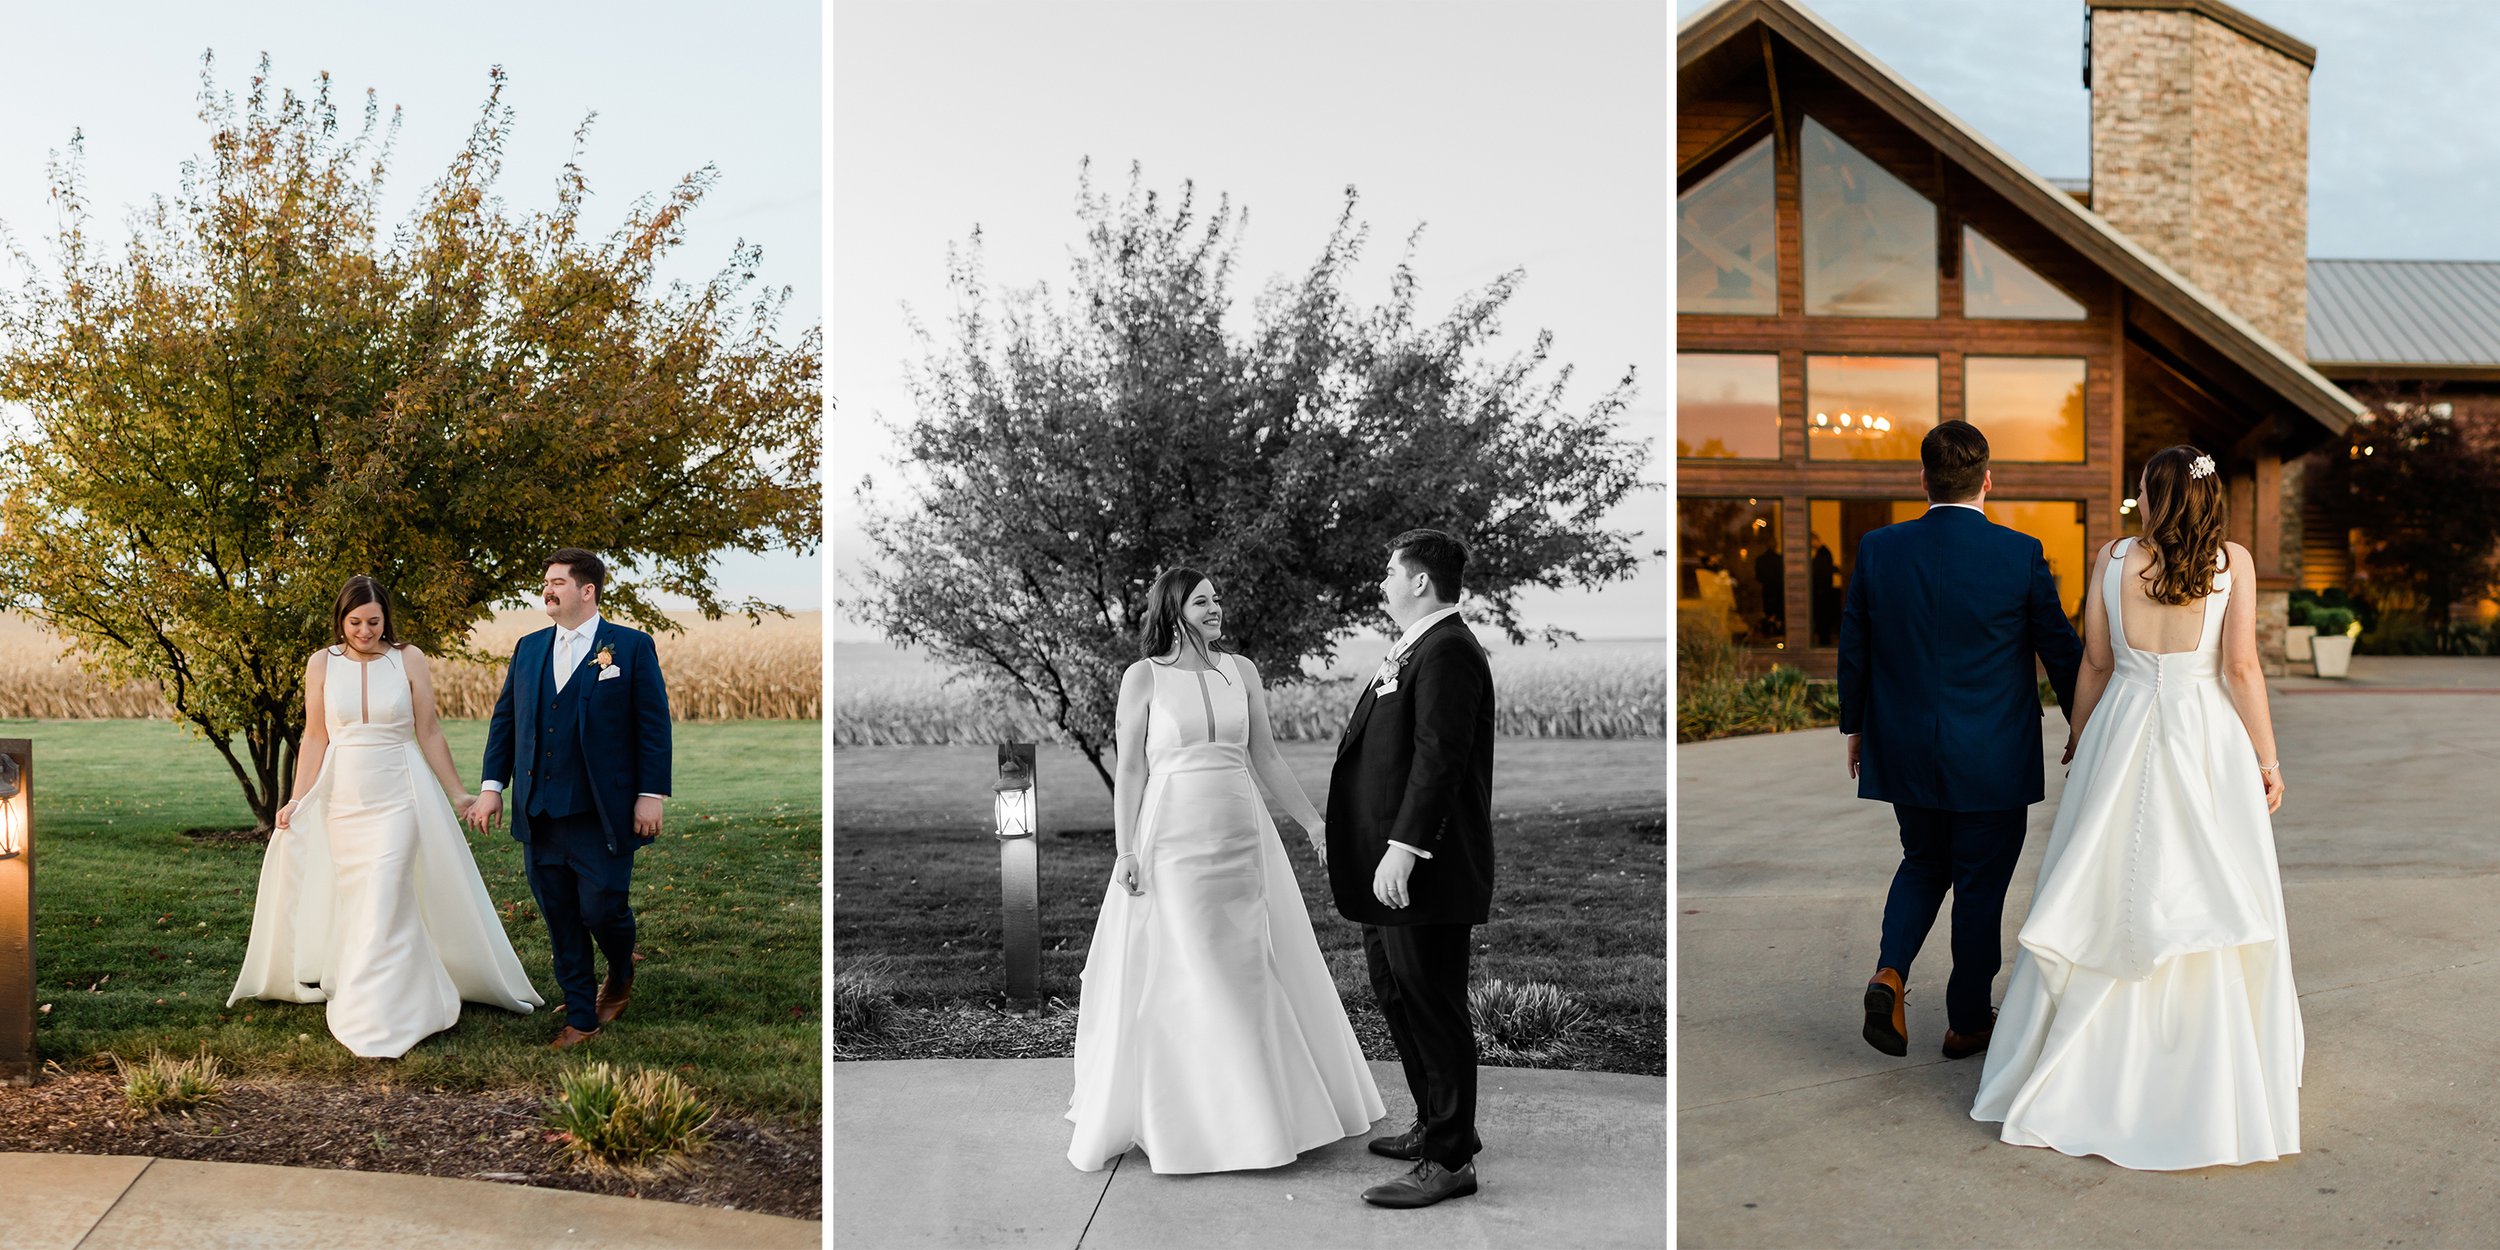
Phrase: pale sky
[2402,165]
[675,86]
[1523,134]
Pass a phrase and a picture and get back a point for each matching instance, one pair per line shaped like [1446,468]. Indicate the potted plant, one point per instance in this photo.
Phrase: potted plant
[2331,650]
[2296,636]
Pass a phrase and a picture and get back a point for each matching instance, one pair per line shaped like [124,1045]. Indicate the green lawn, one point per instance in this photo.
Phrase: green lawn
[1580,891]
[139,928]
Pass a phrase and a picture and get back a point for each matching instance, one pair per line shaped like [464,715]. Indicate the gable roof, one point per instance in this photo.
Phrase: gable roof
[2434,313]
[2079,227]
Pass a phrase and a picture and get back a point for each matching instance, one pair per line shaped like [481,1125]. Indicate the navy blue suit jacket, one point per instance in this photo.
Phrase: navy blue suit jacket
[1416,767]
[621,725]
[1943,618]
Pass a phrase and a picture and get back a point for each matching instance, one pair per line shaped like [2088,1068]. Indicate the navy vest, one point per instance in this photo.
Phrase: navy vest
[559,781]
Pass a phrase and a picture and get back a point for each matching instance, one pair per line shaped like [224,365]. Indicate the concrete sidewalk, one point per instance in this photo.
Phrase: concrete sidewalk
[129,1202]
[973,1153]
[1793,1132]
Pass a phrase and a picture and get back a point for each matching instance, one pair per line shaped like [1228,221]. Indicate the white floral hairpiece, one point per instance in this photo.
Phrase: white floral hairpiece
[2203,466]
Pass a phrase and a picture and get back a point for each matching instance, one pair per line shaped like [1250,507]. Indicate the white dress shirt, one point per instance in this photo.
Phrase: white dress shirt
[1972,506]
[1405,641]
[570,648]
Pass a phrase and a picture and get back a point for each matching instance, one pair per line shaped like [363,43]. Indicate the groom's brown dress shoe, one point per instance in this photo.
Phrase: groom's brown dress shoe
[571,1037]
[1887,1027]
[1964,1045]
[613,996]
[1410,1144]
[1427,1183]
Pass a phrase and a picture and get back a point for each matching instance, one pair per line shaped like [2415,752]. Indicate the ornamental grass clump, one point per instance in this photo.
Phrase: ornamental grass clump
[644,1122]
[1527,1023]
[863,1001]
[164,1084]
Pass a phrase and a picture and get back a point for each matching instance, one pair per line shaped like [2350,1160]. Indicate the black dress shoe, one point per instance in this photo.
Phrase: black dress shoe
[1427,1183]
[1410,1144]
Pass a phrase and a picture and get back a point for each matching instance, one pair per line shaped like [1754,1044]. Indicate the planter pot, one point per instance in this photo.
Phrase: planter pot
[2332,654]
[2296,641]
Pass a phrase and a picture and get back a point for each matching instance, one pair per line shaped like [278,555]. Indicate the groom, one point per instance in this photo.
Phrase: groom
[580,736]
[1939,700]
[1410,855]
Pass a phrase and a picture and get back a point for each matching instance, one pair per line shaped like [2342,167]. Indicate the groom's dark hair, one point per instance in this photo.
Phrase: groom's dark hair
[1441,556]
[1955,454]
[586,568]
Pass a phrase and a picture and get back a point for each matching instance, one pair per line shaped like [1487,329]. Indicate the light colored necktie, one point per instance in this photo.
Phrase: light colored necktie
[564,657]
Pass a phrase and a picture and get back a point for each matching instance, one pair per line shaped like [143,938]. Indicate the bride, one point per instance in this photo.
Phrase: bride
[1209,1032]
[369,898]
[2151,1018]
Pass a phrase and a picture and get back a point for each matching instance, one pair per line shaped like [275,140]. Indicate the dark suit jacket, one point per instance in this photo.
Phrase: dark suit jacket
[1416,767]
[1942,620]
[620,726]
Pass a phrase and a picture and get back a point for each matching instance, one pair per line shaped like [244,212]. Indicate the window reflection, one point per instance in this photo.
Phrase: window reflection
[1870,241]
[1836,526]
[1726,254]
[2058,524]
[1727,407]
[2030,407]
[1729,575]
[1869,407]
[1995,285]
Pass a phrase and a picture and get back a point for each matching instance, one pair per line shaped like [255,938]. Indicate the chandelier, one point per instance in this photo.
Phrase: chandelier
[1859,425]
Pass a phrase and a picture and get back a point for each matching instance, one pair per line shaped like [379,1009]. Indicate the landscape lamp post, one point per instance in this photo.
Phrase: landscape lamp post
[17,913]
[1019,870]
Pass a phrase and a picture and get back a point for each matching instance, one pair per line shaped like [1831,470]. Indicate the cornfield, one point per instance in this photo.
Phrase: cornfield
[716,670]
[888,697]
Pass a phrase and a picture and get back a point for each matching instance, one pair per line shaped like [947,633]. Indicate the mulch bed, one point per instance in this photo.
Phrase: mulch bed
[493,1135]
[994,1031]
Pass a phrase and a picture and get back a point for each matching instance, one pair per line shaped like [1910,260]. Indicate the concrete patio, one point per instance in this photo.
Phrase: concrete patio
[1793,1132]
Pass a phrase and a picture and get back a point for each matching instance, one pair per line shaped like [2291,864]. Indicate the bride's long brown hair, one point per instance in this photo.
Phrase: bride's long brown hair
[2183,525]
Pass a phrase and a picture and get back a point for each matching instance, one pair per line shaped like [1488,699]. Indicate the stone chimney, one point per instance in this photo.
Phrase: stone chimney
[2200,151]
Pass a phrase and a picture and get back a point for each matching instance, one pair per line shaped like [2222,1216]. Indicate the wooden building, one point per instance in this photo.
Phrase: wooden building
[1855,265]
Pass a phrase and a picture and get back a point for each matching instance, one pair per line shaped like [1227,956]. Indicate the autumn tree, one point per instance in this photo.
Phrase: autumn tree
[260,393]
[1066,448]
[2424,482]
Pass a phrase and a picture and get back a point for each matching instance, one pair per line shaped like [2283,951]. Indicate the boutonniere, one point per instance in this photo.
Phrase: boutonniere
[1385,681]
[606,657]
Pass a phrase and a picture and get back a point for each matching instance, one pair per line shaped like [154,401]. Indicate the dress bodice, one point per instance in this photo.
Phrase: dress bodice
[368,703]
[1198,720]
[2160,669]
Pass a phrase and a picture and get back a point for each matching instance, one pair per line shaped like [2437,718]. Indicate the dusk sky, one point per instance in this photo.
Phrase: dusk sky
[2401,164]
[1521,134]
[740,88]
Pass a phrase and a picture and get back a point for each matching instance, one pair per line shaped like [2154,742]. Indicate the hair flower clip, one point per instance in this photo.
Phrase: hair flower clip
[2202,467]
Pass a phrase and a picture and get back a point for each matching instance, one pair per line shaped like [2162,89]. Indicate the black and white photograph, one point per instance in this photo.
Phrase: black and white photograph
[1249,581]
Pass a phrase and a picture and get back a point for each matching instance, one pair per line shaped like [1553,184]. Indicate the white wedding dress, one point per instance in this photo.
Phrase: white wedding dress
[2151,1018]
[370,900]
[1209,1032]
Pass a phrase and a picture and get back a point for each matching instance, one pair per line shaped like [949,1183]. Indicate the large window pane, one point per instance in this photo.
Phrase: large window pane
[2030,407]
[1728,571]
[1870,240]
[1837,525]
[1726,254]
[1869,407]
[1996,285]
[2058,524]
[1727,407]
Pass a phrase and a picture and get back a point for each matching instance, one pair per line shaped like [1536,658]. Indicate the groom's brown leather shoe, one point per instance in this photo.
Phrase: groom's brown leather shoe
[613,996]
[1887,1026]
[571,1037]
[1410,1144]
[1426,1183]
[1964,1045]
